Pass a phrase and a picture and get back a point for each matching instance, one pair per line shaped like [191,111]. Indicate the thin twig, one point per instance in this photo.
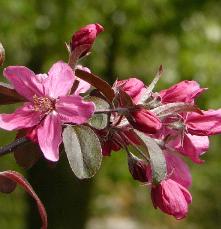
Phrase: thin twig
[120,110]
[11,146]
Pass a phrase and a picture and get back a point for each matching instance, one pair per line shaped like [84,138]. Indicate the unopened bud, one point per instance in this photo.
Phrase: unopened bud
[138,168]
[145,121]
[133,87]
[85,36]
[2,54]
[31,134]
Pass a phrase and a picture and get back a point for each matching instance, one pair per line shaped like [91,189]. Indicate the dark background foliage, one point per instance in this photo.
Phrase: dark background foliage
[184,36]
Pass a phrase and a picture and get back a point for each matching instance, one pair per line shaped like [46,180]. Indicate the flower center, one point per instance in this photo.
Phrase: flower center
[43,104]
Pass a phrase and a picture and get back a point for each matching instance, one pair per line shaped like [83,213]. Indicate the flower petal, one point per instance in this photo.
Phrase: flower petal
[41,77]
[24,81]
[192,146]
[83,86]
[133,87]
[207,124]
[178,170]
[49,136]
[72,109]
[23,117]
[184,91]
[172,198]
[59,81]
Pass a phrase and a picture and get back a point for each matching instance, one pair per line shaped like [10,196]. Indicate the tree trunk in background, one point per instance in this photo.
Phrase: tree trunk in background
[66,198]
[111,53]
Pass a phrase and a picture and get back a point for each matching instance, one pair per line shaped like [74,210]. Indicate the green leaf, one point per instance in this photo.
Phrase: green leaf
[157,159]
[83,150]
[98,121]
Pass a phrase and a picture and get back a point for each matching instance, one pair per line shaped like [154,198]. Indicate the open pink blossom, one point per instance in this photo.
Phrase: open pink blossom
[172,198]
[49,105]
[184,91]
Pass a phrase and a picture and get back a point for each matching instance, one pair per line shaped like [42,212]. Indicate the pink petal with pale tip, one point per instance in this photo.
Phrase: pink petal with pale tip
[72,109]
[24,81]
[23,117]
[41,77]
[83,87]
[59,81]
[49,136]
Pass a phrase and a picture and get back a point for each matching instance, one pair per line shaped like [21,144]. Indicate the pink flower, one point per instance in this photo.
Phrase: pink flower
[185,91]
[193,141]
[178,170]
[49,105]
[206,124]
[191,146]
[86,36]
[133,87]
[145,121]
[172,198]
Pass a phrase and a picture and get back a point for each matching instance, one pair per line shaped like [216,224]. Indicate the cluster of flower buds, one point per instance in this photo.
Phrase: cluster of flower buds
[72,108]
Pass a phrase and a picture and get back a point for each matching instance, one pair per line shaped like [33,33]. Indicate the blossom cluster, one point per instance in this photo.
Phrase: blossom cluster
[71,108]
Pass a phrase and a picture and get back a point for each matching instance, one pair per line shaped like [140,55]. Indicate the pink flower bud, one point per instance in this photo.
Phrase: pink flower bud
[137,168]
[86,36]
[184,91]
[32,135]
[145,121]
[172,198]
[2,54]
[133,87]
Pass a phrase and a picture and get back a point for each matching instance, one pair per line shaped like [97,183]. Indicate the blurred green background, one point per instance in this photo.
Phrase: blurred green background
[184,36]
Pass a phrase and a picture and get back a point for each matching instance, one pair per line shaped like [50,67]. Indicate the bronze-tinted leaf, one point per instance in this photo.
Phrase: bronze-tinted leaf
[27,155]
[8,95]
[97,82]
[17,178]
